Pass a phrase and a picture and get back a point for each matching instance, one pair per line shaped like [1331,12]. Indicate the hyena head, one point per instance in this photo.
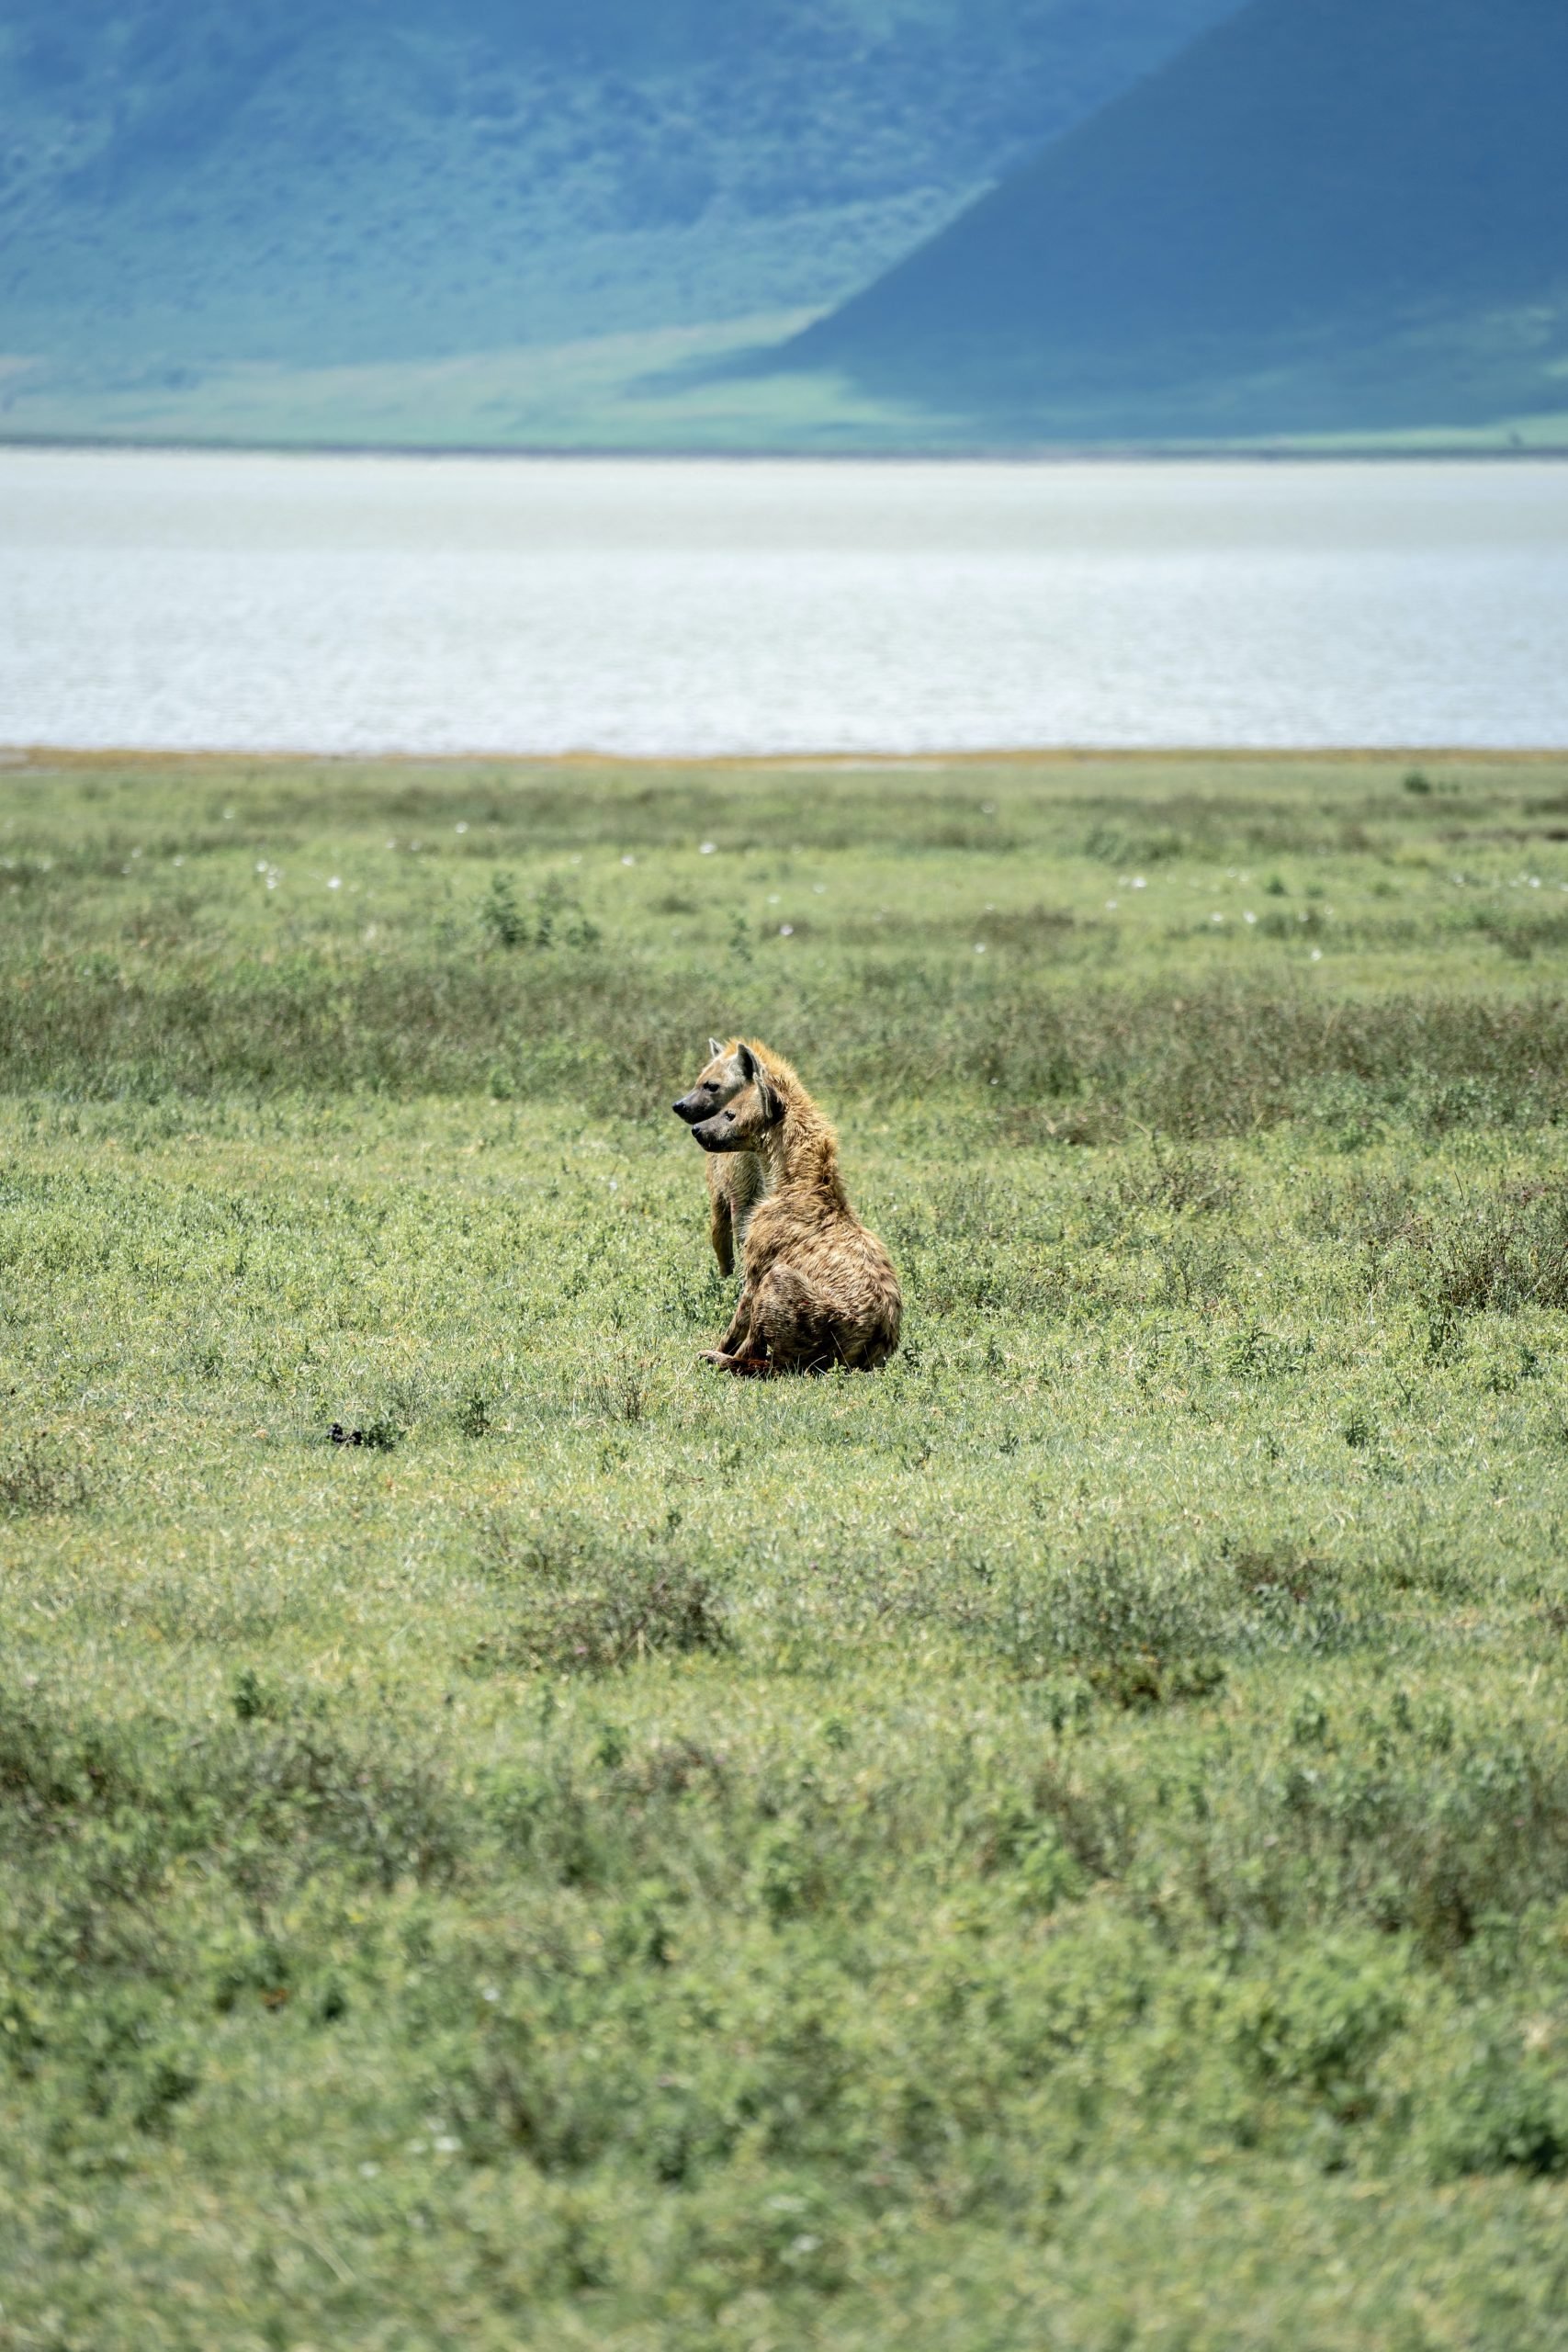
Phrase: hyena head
[720,1083]
[743,1121]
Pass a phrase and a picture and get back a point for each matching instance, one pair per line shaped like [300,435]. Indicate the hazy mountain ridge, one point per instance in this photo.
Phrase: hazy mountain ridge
[181,185]
[1323,215]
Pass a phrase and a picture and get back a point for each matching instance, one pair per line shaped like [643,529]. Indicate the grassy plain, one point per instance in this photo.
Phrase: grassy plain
[1063,1842]
[660,390]
[671,388]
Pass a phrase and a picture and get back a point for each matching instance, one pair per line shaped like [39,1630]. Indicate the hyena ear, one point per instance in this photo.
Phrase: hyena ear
[748,1065]
[768,1102]
[716,1047]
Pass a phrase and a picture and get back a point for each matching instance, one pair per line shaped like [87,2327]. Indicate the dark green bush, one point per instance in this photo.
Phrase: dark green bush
[44,1473]
[585,1606]
[1139,1635]
[610,1033]
[1427,1831]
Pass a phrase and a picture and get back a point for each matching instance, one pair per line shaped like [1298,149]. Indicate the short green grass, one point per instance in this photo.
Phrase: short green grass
[1063,1842]
[663,389]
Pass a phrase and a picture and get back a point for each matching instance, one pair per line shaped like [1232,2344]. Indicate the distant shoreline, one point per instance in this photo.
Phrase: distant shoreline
[980,453]
[22,759]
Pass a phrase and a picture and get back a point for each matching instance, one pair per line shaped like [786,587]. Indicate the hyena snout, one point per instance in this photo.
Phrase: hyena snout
[699,1104]
[719,1133]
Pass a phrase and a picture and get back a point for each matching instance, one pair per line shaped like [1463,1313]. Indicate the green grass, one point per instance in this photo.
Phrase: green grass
[1062,1842]
[660,389]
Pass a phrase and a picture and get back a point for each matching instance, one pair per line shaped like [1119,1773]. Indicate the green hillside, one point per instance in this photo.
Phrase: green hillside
[1325,217]
[185,186]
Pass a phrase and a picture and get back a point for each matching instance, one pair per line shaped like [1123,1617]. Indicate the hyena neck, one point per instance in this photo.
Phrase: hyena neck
[800,1154]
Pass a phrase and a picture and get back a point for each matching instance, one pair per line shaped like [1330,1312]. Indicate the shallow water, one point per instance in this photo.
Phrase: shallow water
[367,604]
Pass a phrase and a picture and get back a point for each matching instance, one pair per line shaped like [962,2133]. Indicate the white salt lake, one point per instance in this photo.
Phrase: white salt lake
[188,600]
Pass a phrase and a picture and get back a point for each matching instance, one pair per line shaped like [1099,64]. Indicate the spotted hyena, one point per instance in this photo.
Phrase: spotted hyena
[820,1289]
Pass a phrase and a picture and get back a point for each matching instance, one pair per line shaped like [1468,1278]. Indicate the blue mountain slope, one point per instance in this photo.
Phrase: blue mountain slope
[326,181]
[1324,215]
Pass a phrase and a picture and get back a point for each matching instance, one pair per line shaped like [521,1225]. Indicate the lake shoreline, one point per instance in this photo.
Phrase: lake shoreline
[981,453]
[30,759]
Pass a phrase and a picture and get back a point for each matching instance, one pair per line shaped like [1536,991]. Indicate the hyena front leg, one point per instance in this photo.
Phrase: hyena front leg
[721,1224]
[721,1233]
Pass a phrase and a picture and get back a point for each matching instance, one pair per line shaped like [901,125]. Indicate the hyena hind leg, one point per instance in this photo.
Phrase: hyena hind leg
[793,1321]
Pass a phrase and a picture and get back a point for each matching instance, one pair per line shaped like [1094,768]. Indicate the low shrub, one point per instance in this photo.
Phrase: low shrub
[1139,1635]
[271,1796]
[1498,2103]
[1413,1829]
[586,1605]
[43,1475]
[1319,2021]
[608,1030]
[1502,1255]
